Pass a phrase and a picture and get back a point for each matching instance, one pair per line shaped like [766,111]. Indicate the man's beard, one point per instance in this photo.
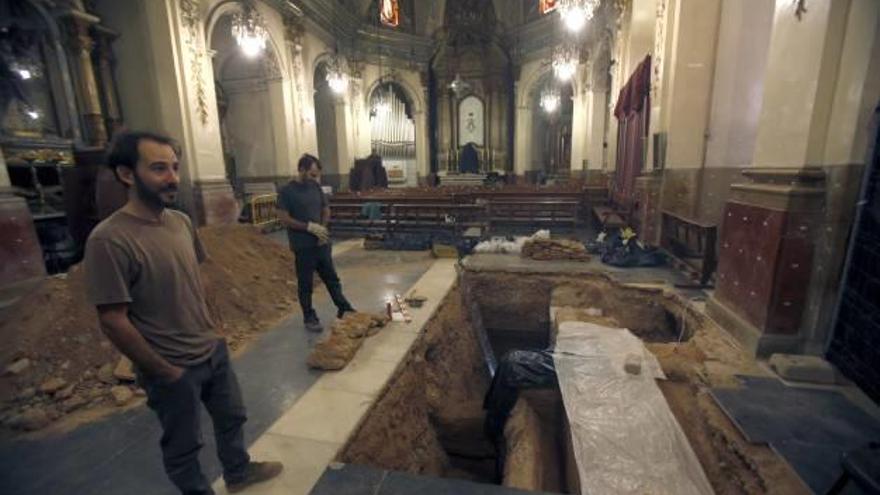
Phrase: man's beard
[153,198]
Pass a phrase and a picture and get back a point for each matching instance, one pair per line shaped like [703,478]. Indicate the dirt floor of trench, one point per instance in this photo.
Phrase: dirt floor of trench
[429,419]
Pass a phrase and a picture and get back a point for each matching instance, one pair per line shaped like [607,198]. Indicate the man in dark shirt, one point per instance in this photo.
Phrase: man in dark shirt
[303,209]
[142,270]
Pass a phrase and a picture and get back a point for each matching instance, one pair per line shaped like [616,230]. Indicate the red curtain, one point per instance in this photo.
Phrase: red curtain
[632,111]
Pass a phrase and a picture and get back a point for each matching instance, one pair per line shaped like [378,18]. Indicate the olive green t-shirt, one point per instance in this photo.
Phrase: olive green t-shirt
[154,267]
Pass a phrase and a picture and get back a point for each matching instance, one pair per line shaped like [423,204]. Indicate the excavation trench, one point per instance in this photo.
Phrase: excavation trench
[429,420]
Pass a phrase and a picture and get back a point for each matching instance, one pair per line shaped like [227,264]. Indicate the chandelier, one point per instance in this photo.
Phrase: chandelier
[565,62]
[337,78]
[459,86]
[576,13]
[249,30]
[550,98]
[25,70]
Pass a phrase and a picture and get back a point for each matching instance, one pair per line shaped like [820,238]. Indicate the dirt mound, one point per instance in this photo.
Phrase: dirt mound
[555,249]
[346,337]
[51,334]
[249,279]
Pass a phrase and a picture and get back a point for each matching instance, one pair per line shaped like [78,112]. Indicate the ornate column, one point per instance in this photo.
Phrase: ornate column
[304,119]
[81,46]
[194,119]
[106,62]
[784,232]
[766,257]
[21,257]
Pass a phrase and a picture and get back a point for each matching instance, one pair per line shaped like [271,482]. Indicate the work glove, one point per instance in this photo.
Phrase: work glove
[319,231]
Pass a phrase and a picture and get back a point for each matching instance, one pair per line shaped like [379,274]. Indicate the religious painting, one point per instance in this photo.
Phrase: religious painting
[470,121]
[547,6]
[389,13]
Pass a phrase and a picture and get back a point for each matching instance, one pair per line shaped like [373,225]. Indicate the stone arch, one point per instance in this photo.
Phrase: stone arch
[533,82]
[414,96]
[274,29]
[255,128]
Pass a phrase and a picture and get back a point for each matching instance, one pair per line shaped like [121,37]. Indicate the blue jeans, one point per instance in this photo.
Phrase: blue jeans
[213,383]
[320,259]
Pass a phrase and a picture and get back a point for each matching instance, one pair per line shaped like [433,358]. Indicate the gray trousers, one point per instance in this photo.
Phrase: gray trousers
[177,405]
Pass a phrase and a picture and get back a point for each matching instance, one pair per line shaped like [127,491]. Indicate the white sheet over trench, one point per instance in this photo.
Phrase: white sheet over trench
[626,439]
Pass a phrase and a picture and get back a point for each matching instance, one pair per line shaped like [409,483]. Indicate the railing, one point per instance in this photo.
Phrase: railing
[262,208]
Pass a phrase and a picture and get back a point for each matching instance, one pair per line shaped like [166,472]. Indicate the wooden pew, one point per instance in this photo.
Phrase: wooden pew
[691,243]
[538,212]
[347,217]
[607,218]
[441,216]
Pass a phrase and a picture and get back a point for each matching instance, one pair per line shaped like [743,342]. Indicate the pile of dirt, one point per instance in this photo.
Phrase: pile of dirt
[346,337]
[694,353]
[56,363]
[555,249]
[249,279]
[422,405]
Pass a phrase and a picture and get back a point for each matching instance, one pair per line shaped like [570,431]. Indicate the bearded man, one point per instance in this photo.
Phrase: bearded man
[142,271]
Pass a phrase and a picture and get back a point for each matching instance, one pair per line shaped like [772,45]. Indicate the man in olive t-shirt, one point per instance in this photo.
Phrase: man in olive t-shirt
[142,270]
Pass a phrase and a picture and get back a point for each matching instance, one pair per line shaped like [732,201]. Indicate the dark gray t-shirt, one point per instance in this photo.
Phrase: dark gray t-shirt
[304,201]
[153,266]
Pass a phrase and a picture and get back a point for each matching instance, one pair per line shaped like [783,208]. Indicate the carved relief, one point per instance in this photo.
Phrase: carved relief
[659,44]
[271,67]
[189,14]
[293,34]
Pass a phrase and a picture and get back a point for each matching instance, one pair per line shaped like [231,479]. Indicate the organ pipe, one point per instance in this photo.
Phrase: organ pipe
[392,133]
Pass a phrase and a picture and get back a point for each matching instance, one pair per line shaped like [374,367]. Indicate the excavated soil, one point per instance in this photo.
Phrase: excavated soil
[431,411]
[250,287]
[442,381]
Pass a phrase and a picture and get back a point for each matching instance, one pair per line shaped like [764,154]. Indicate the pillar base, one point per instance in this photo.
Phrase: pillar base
[765,261]
[753,340]
[21,257]
[214,202]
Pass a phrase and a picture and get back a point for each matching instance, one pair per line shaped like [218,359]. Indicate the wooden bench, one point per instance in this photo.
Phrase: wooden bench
[546,212]
[408,217]
[691,243]
[427,217]
[607,218]
[348,217]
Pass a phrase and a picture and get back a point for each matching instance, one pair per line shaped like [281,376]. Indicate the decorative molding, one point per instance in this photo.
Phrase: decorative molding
[659,50]
[192,21]
[800,9]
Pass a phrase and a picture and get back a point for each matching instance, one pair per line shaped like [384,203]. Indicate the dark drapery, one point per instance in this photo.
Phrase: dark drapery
[632,111]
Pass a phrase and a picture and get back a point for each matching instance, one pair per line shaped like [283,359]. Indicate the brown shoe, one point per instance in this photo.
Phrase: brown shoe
[255,472]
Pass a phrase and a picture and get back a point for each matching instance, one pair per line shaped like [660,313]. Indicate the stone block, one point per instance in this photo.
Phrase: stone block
[799,368]
[18,367]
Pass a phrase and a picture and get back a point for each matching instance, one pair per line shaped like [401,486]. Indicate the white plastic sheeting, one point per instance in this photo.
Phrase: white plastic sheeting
[504,245]
[626,440]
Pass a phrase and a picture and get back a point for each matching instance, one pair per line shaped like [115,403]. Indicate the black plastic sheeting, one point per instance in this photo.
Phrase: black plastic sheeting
[516,370]
[614,252]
